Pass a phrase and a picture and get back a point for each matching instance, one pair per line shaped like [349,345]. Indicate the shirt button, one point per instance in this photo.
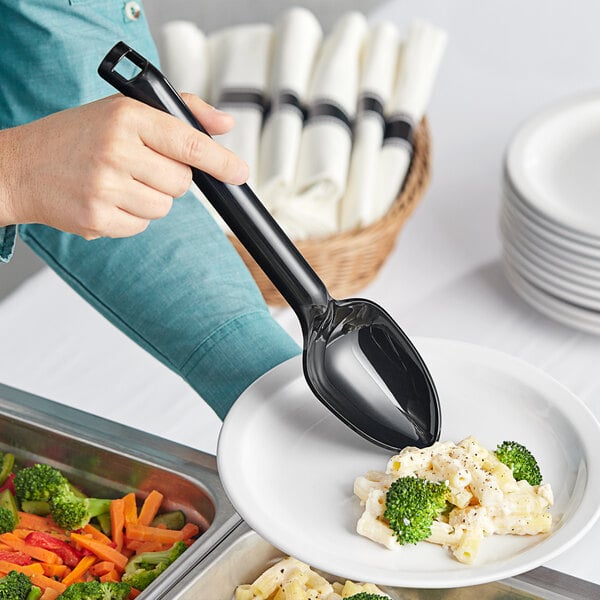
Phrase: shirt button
[132,11]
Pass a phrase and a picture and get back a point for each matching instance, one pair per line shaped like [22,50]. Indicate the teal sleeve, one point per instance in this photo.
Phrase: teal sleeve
[179,289]
[7,242]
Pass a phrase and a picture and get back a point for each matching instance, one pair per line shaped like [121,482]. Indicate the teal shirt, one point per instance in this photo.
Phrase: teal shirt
[179,289]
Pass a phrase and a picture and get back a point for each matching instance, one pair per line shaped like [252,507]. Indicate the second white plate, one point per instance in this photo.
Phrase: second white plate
[288,465]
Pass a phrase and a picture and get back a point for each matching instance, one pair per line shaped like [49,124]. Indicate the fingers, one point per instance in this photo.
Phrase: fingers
[161,173]
[213,120]
[175,139]
[144,202]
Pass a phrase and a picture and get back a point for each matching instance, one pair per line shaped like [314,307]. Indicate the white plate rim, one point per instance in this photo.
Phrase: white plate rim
[587,299]
[552,307]
[540,253]
[580,522]
[517,175]
[585,253]
[529,213]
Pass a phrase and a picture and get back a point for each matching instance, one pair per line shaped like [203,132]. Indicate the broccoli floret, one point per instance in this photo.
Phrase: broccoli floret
[144,568]
[39,482]
[43,483]
[9,514]
[521,461]
[17,586]
[411,505]
[366,596]
[71,512]
[7,520]
[94,590]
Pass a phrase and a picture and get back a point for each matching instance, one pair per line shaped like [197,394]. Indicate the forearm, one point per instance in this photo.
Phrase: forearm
[181,292]
[8,214]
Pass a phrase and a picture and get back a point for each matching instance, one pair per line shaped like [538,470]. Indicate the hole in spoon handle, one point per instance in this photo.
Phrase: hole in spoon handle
[239,207]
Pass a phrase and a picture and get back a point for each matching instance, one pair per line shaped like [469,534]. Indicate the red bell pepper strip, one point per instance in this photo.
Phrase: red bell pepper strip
[8,484]
[70,556]
[16,557]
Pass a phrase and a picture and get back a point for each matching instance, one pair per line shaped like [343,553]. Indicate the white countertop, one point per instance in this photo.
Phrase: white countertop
[504,61]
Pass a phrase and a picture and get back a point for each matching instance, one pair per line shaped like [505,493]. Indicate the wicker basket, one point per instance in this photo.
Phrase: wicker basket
[347,262]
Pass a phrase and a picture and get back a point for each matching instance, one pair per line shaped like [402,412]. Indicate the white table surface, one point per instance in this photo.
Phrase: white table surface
[505,61]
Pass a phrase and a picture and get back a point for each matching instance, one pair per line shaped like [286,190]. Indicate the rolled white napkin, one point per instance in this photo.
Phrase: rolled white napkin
[378,68]
[297,36]
[421,56]
[327,136]
[184,57]
[240,58]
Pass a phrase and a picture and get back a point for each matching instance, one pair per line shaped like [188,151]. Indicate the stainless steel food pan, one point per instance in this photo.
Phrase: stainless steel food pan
[244,555]
[107,459]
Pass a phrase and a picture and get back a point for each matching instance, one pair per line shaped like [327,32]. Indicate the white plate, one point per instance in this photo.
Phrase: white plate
[550,242]
[563,266]
[552,162]
[551,306]
[526,213]
[583,252]
[288,466]
[546,281]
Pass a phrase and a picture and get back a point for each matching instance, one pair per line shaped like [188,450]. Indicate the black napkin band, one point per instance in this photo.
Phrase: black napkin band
[370,103]
[252,98]
[285,100]
[326,110]
[399,129]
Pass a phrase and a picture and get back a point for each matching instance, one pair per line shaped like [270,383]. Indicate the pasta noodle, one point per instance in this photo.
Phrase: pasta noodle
[291,579]
[485,496]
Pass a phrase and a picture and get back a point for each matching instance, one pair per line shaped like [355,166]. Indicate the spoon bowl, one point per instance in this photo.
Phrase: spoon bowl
[357,360]
[366,371]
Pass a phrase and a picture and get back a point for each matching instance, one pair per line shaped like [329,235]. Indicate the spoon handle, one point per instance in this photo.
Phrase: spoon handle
[239,207]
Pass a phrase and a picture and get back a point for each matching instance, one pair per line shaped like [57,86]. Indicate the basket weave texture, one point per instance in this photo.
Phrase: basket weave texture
[347,262]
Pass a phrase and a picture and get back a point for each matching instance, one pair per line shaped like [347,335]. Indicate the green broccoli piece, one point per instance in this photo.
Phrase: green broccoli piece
[71,512]
[367,596]
[39,482]
[44,483]
[17,586]
[94,590]
[411,505]
[7,520]
[144,568]
[521,461]
[9,515]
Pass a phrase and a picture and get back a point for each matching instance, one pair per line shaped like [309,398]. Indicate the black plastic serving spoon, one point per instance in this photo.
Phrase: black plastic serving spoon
[356,359]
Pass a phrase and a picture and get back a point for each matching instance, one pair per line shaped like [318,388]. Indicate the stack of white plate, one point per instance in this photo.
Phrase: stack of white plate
[550,216]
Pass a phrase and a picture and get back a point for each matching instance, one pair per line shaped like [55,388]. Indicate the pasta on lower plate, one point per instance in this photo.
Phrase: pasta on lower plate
[482,497]
[291,579]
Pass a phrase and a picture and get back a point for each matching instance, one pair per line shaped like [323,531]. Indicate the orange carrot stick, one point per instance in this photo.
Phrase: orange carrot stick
[117,520]
[6,567]
[139,547]
[189,530]
[37,523]
[97,534]
[110,576]
[102,551]
[134,593]
[150,507]
[101,568]
[49,594]
[144,533]
[47,582]
[130,509]
[54,570]
[41,554]
[79,570]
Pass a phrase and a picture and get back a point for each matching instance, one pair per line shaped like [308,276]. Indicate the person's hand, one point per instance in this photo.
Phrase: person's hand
[106,169]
